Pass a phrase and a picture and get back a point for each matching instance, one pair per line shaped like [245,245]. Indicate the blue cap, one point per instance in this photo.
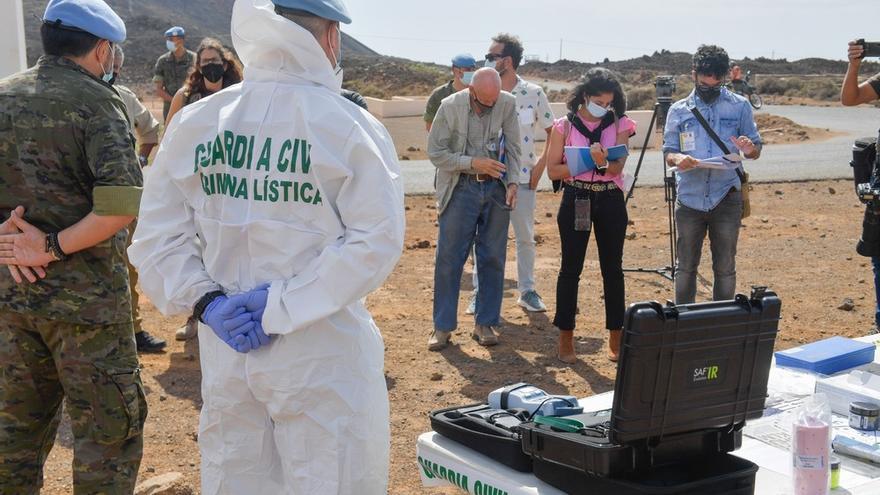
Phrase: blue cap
[175,31]
[92,16]
[464,60]
[333,10]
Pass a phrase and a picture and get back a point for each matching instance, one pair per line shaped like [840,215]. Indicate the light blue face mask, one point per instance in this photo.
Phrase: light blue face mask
[467,78]
[106,75]
[170,45]
[492,65]
[596,110]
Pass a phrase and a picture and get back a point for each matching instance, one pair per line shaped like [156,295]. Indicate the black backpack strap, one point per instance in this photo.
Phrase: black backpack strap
[595,135]
[716,138]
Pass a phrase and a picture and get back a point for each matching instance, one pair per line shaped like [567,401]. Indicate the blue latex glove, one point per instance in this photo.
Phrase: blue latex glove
[252,340]
[224,310]
[249,324]
[254,303]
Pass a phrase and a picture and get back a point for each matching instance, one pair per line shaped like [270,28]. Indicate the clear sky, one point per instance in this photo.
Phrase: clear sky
[617,29]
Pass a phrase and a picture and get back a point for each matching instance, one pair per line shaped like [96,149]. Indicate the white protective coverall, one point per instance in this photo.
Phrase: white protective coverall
[280,180]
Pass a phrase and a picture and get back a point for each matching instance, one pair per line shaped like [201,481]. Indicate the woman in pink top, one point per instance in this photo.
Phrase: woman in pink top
[591,201]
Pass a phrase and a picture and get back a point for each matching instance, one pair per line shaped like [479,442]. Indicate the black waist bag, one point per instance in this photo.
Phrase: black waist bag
[500,444]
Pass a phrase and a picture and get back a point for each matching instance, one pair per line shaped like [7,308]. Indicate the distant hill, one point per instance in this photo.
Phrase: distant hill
[146,22]
[677,63]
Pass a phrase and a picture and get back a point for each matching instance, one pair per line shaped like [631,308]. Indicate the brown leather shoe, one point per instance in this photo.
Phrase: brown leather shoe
[614,344]
[438,340]
[485,335]
[566,352]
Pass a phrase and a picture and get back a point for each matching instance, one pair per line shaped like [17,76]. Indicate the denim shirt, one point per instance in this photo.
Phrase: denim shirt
[730,116]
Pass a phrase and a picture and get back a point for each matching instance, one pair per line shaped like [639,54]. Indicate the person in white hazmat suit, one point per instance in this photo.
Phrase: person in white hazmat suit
[273,208]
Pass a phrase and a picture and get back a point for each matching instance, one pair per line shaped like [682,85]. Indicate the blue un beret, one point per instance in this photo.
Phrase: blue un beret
[333,10]
[175,31]
[464,60]
[92,16]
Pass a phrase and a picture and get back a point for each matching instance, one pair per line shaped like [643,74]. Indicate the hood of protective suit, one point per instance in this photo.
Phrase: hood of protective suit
[269,44]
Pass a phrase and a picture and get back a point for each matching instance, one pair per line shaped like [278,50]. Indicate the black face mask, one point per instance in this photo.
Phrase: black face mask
[707,93]
[213,72]
[482,105]
[112,80]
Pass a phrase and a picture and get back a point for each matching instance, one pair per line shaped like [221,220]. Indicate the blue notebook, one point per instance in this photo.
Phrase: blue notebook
[579,159]
[827,356]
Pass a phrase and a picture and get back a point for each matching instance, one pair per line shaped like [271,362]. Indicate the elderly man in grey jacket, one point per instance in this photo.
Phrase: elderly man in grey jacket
[475,130]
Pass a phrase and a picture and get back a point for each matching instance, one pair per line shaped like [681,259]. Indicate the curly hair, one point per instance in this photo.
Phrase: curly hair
[195,82]
[512,48]
[597,81]
[711,60]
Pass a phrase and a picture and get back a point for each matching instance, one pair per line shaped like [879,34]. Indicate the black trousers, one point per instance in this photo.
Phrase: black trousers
[609,219]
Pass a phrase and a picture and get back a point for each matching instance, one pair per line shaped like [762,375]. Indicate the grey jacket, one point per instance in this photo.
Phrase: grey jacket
[447,141]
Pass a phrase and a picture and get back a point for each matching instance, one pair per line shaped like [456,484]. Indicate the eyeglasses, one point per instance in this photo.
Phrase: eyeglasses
[208,61]
[491,57]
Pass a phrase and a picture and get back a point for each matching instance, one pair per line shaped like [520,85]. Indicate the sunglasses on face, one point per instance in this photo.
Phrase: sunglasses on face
[491,57]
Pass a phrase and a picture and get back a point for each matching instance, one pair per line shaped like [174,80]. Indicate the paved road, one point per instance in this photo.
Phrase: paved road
[826,160]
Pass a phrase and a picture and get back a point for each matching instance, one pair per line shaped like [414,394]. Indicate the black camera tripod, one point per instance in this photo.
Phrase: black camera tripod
[668,271]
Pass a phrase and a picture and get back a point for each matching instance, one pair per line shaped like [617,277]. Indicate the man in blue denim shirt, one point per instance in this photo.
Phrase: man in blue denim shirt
[709,200]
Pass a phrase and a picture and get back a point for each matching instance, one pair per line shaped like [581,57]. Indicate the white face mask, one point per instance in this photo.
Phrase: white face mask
[492,65]
[338,73]
[170,45]
[107,74]
[596,110]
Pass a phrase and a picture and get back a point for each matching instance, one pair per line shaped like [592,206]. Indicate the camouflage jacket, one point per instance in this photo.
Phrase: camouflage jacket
[66,151]
[172,72]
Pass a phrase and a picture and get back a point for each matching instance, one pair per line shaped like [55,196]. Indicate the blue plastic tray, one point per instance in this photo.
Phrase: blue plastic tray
[827,356]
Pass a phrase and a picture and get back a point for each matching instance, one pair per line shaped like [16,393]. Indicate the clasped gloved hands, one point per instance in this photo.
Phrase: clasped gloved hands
[236,319]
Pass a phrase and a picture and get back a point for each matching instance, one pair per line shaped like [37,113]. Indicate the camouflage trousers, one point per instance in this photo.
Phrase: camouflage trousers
[132,282]
[96,368]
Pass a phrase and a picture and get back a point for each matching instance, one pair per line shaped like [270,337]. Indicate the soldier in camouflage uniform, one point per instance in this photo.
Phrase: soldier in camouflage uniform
[173,67]
[69,184]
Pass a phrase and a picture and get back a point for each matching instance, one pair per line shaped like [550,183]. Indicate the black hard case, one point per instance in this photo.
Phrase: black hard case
[497,443]
[665,408]
[717,475]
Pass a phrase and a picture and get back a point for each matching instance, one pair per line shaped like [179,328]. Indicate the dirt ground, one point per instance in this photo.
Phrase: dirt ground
[800,242]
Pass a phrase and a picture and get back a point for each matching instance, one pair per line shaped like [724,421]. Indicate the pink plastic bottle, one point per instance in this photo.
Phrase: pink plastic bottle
[811,447]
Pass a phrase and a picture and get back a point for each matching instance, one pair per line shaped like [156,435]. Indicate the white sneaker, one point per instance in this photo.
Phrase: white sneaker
[472,304]
[188,331]
[532,302]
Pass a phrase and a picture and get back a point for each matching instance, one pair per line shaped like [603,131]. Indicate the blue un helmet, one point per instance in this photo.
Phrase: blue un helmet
[91,16]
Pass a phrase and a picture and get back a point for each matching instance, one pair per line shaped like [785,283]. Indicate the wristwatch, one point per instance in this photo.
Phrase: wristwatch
[53,247]
[203,303]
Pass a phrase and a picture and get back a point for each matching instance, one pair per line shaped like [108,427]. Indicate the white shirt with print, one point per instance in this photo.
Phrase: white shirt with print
[535,115]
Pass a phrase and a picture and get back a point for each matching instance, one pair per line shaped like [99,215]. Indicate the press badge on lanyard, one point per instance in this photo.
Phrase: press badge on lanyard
[688,141]
[582,221]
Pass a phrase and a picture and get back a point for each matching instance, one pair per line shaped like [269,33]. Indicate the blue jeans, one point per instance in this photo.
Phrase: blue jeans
[476,214]
[875,260]
[723,224]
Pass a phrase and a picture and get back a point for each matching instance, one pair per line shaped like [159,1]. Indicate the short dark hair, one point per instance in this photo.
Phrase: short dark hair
[596,81]
[711,60]
[60,42]
[512,47]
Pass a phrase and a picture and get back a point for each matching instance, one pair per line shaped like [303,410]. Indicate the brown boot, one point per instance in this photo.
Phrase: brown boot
[614,344]
[566,347]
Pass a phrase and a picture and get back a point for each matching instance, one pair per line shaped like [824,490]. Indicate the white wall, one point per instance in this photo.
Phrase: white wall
[12,48]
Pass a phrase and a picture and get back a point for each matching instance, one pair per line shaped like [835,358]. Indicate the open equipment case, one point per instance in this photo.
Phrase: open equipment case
[688,379]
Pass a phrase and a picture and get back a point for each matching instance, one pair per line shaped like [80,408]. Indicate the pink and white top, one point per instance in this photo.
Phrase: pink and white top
[608,139]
